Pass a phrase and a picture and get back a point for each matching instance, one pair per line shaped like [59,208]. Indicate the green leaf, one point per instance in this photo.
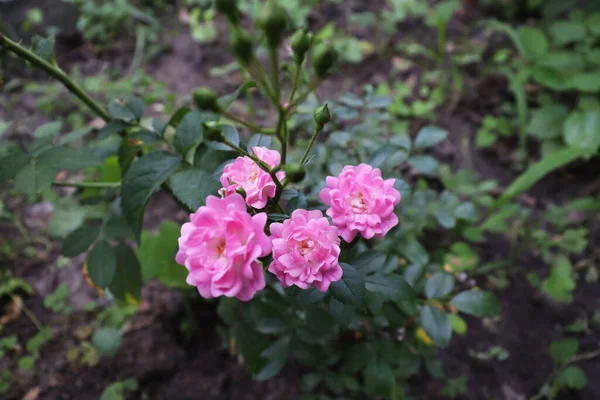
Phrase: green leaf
[391,152]
[563,61]
[74,135]
[35,177]
[192,186]
[12,164]
[140,181]
[547,121]
[343,313]
[436,324]
[351,288]
[458,324]
[393,287]
[533,42]
[573,377]
[102,264]
[412,250]
[593,23]
[276,356]
[562,350]
[113,127]
[369,261]
[560,283]
[27,363]
[127,283]
[69,158]
[258,140]
[439,285]
[485,138]
[430,136]
[48,130]
[231,134]
[176,118]
[127,153]
[564,32]
[424,164]
[35,343]
[477,303]
[129,111]
[318,326]
[467,212]
[380,379]
[116,228]
[43,47]
[107,341]
[225,101]
[80,239]
[586,81]
[310,296]
[157,256]
[251,344]
[189,132]
[540,169]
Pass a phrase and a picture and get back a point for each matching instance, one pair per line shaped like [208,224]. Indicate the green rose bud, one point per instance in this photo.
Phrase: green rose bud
[212,132]
[323,59]
[322,115]
[241,191]
[273,20]
[294,173]
[229,8]
[241,45]
[300,44]
[205,99]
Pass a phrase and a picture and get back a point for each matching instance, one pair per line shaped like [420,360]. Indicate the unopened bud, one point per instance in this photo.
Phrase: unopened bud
[212,132]
[205,99]
[294,173]
[273,20]
[241,45]
[300,44]
[322,115]
[323,59]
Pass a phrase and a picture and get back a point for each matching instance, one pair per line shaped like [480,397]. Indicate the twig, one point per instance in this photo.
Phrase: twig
[57,73]
[96,185]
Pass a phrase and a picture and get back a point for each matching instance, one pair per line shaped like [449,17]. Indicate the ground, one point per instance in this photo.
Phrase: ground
[169,366]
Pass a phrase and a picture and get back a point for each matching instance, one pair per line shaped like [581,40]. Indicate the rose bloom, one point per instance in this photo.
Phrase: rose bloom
[360,201]
[220,248]
[244,173]
[305,251]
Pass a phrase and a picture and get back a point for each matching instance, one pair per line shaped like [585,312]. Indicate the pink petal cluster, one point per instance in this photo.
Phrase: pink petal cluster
[305,251]
[244,173]
[220,248]
[360,201]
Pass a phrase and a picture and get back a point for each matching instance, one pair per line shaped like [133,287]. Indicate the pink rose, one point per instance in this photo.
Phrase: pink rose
[360,201]
[220,248]
[244,173]
[305,251]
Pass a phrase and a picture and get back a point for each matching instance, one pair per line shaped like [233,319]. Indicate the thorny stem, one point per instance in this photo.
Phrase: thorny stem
[262,165]
[313,139]
[55,72]
[96,185]
[247,124]
[249,99]
[257,71]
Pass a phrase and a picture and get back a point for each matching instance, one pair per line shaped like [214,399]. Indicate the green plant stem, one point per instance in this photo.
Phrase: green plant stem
[313,139]
[249,100]
[55,72]
[274,61]
[94,185]
[258,73]
[295,82]
[280,133]
[262,165]
[247,124]
[304,95]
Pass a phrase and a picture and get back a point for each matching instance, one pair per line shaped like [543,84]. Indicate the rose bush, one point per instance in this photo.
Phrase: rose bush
[361,312]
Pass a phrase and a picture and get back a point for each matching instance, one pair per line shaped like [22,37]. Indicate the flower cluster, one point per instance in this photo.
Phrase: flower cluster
[222,244]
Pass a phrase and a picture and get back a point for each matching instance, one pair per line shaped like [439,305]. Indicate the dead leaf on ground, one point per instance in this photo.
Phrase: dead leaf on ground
[32,394]
[12,310]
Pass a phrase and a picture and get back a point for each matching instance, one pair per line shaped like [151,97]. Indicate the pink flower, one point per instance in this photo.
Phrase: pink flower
[360,201]
[305,251]
[220,248]
[244,173]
